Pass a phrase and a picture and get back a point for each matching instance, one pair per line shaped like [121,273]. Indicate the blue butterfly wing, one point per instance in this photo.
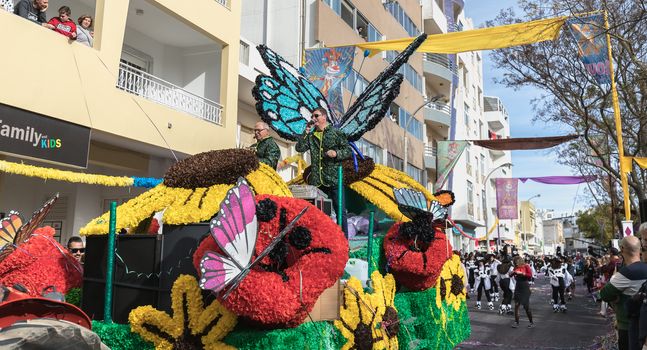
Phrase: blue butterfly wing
[286,100]
[372,104]
[438,211]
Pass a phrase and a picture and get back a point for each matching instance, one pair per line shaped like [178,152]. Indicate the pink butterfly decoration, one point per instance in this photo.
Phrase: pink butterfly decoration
[235,230]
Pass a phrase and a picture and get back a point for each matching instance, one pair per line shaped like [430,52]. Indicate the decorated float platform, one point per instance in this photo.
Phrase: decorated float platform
[219,254]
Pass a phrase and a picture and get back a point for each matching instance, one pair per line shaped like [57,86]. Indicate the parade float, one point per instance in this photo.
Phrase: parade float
[220,255]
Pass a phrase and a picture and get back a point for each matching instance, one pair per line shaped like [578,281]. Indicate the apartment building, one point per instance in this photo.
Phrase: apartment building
[160,82]
[290,26]
[528,240]
[553,236]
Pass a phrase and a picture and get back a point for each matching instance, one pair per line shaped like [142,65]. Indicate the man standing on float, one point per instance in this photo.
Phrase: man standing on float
[328,148]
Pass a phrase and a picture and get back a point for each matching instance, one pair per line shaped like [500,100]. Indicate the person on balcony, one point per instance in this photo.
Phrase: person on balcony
[84,33]
[63,24]
[267,150]
[328,148]
[33,10]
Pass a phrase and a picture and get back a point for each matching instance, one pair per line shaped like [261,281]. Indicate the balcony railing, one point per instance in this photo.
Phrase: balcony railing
[440,59]
[440,106]
[430,151]
[148,86]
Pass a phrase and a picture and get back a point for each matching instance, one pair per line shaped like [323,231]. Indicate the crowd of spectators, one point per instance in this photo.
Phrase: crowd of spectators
[35,11]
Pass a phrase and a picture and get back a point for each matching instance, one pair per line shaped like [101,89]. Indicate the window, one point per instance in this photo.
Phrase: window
[405,21]
[370,150]
[414,172]
[335,5]
[482,165]
[407,71]
[348,13]
[466,111]
[484,205]
[413,126]
[468,165]
[373,33]
[394,162]
[470,198]
[355,83]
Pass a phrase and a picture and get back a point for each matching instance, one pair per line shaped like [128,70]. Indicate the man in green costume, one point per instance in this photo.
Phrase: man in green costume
[267,150]
[328,148]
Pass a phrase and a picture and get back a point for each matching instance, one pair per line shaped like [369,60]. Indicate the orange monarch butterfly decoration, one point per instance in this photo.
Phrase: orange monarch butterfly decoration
[14,232]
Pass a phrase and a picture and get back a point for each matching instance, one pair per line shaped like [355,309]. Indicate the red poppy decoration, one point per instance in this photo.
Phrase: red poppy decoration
[281,289]
[414,264]
[41,262]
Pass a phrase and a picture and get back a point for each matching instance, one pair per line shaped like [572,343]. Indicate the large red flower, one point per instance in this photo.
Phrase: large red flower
[41,262]
[416,265]
[284,286]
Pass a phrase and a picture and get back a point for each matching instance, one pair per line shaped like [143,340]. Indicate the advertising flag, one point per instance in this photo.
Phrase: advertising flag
[447,156]
[506,198]
[590,34]
[326,69]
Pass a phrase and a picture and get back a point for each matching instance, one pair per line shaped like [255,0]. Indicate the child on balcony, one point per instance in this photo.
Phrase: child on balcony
[62,24]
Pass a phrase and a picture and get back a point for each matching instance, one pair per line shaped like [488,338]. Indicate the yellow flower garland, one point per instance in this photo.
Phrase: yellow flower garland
[64,175]
[185,205]
[185,290]
[361,313]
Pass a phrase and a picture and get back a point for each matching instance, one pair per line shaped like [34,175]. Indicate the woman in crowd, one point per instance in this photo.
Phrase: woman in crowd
[522,275]
[589,274]
[84,33]
[470,265]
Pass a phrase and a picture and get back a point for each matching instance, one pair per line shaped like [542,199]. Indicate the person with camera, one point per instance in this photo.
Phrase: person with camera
[624,285]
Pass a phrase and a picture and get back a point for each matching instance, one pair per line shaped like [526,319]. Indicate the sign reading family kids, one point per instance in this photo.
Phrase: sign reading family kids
[506,198]
[590,34]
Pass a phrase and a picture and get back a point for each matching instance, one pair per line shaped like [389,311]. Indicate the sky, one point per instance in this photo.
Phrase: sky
[564,199]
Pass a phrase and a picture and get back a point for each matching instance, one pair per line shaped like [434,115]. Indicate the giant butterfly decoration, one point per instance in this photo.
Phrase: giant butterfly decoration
[412,204]
[286,100]
[235,230]
[13,231]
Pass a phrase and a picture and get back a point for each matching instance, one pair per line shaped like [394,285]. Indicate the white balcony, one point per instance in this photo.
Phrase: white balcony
[150,87]
[439,65]
[438,113]
[430,157]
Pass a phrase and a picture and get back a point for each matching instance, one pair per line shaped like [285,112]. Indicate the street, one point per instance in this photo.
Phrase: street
[576,329]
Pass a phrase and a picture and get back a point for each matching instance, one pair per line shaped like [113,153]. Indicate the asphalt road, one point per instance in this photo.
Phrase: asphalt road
[579,328]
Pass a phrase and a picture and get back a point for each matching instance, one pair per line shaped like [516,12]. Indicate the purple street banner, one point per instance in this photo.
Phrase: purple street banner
[326,69]
[447,156]
[506,198]
[590,34]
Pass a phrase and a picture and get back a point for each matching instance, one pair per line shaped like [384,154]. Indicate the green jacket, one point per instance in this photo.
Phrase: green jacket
[621,287]
[323,169]
[268,151]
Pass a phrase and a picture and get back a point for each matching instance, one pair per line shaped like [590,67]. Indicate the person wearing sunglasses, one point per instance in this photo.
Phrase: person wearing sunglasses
[76,247]
[267,150]
[328,147]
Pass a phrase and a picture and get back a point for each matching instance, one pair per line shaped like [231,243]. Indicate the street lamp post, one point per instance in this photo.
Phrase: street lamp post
[525,232]
[487,212]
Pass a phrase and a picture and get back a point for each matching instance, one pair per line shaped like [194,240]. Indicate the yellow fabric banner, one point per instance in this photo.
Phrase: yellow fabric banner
[626,163]
[477,39]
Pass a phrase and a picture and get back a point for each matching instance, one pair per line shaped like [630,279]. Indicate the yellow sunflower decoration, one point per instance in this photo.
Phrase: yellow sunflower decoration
[450,286]
[206,326]
[193,189]
[375,183]
[369,321]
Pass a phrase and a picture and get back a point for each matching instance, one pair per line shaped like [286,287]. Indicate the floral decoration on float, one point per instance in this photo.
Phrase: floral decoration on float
[192,325]
[369,320]
[415,251]
[280,288]
[193,188]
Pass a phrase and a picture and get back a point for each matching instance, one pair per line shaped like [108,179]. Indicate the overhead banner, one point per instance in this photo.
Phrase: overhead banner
[490,38]
[326,69]
[590,34]
[506,198]
[560,180]
[524,143]
[31,135]
[447,156]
